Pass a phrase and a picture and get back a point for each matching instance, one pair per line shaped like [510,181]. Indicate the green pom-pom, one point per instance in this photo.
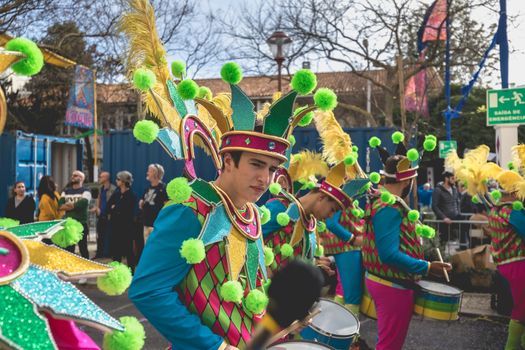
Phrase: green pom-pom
[205,93]
[69,235]
[319,250]
[475,200]
[265,215]
[374,142]
[231,73]
[178,190]
[419,230]
[306,120]
[34,60]
[510,165]
[146,131]
[387,197]
[8,223]
[286,250]
[517,205]
[256,301]
[116,281]
[429,145]
[268,256]
[350,160]
[496,195]
[132,338]
[291,139]
[413,215]
[398,137]
[355,212]
[321,226]
[192,250]
[428,232]
[178,69]
[283,219]
[355,148]
[187,89]
[232,291]
[431,137]
[361,214]
[275,188]
[375,177]
[144,79]
[325,99]
[304,82]
[412,155]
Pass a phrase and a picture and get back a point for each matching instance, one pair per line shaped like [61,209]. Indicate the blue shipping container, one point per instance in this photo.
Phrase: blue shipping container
[123,152]
[28,157]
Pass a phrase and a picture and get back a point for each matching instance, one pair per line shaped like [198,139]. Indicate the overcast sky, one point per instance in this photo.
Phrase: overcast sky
[516,35]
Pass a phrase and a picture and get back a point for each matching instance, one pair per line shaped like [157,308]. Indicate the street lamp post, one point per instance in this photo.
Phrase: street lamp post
[279,44]
[368,82]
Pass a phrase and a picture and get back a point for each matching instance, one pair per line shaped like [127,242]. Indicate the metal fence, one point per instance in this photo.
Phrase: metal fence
[459,234]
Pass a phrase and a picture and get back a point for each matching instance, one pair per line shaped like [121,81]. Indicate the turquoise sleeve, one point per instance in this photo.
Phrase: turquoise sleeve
[160,270]
[336,228]
[387,222]
[275,207]
[517,220]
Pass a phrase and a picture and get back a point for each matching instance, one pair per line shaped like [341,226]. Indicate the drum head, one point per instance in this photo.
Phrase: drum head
[439,288]
[335,320]
[300,345]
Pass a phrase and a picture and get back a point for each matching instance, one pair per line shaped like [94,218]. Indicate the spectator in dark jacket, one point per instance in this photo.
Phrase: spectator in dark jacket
[121,210]
[20,206]
[153,199]
[446,205]
[105,192]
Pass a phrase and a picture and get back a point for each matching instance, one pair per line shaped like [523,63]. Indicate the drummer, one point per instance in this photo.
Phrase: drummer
[292,229]
[392,252]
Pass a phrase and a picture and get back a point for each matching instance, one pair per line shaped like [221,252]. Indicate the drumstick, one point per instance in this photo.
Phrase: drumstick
[295,325]
[441,260]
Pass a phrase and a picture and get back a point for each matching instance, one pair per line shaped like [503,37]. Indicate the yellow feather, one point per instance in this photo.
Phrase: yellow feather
[145,50]
[518,153]
[306,164]
[509,180]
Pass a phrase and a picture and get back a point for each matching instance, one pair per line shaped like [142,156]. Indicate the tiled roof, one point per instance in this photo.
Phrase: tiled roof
[264,87]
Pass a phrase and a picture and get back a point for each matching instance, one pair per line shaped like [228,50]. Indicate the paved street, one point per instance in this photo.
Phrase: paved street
[466,333]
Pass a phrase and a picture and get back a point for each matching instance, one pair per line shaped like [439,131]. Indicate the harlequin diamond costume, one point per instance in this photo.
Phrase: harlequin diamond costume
[506,222]
[40,307]
[199,280]
[346,224]
[392,249]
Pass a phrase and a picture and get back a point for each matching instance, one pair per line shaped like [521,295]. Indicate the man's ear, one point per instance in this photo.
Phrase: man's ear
[227,161]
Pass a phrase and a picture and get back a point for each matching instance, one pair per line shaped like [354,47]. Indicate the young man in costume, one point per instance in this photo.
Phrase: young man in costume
[506,225]
[199,280]
[392,251]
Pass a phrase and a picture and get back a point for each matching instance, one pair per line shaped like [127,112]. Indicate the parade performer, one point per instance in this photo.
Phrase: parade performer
[199,280]
[343,237]
[40,307]
[392,249]
[506,223]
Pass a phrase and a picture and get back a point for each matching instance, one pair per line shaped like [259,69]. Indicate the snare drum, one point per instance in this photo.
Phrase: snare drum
[300,345]
[438,301]
[335,326]
[368,308]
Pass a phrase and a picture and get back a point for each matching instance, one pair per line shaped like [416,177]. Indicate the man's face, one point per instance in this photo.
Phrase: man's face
[451,180]
[103,178]
[325,207]
[406,190]
[20,189]
[151,174]
[251,178]
[76,178]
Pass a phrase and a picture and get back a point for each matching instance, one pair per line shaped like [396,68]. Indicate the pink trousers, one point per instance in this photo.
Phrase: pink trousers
[68,336]
[394,307]
[514,272]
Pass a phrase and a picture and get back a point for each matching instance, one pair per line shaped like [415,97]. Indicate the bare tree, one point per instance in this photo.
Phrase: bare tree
[335,31]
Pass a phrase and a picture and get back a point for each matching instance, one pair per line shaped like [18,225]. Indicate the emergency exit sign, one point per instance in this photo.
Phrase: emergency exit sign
[506,106]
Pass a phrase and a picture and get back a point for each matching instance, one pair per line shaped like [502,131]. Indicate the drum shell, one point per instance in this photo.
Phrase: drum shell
[438,305]
[300,345]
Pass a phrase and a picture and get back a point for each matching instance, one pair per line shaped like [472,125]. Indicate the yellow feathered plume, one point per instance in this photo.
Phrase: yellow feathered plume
[263,112]
[511,181]
[305,165]
[518,153]
[337,144]
[145,50]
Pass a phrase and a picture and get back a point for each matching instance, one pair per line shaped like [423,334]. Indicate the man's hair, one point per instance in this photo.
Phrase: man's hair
[126,177]
[446,174]
[236,156]
[82,175]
